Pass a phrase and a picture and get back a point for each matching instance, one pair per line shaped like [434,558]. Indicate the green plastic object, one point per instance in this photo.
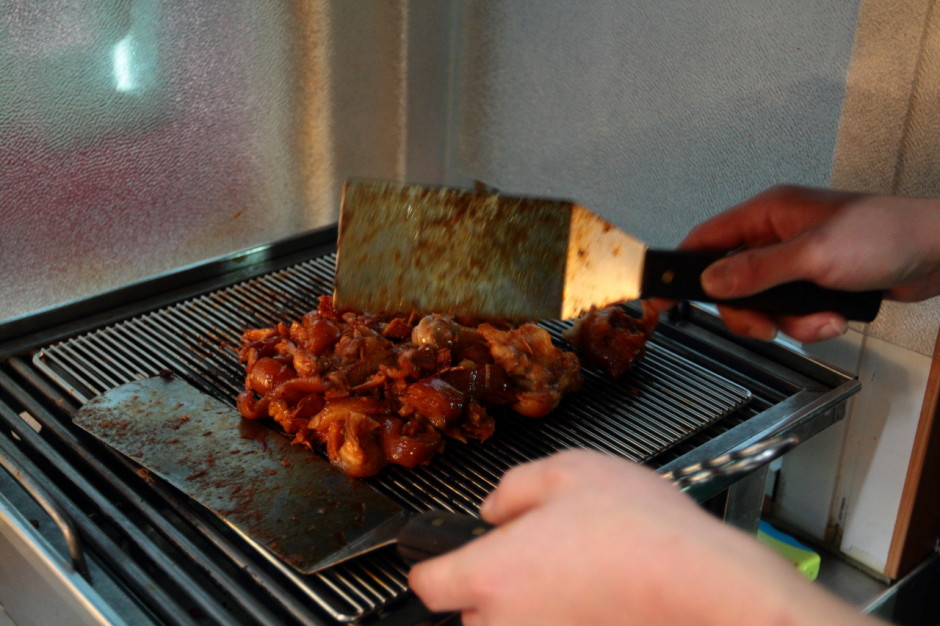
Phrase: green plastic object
[802,557]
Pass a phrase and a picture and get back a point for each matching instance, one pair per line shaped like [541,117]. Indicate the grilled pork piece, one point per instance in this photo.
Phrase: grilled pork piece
[611,338]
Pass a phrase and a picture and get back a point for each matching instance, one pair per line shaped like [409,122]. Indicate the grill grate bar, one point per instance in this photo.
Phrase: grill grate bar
[235,300]
[72,367]
[240,299]
[477,479]
[376,591]
[353,592]
[146,335]
[104,379]
[346,589]
[186,361]
[631,440]
[390,569]
[339,586]
[154,363]
[443,494]
[706,392]
[131,346]
[126,360]
[206,352]
[219,325]
[299,290]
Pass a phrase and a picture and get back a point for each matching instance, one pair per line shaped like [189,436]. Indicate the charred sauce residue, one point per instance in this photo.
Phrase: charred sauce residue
[418,226]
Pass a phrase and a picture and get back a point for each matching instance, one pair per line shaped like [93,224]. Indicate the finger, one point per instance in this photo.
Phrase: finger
[519,490]
[526,486]
[440,582]
[661,304]
[728,230]
[748,323]
[813,328]
[923,288]
[752,271]
[771,216]
[461,579]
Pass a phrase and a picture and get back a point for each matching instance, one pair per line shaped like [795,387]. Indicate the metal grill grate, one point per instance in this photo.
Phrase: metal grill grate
[663,401]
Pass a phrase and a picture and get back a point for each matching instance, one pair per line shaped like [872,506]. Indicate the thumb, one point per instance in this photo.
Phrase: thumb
[528,486]
[751,271]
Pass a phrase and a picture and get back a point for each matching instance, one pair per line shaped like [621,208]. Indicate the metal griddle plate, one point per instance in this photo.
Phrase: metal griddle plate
[280,496]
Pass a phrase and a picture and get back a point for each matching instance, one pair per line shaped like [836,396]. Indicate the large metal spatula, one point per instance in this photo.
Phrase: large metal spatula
[408,248]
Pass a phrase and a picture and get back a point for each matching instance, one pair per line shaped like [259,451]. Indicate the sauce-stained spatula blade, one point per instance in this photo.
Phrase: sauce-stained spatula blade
[283,497]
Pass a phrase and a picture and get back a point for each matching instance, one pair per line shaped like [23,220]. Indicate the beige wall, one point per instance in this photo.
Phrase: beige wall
[889,139]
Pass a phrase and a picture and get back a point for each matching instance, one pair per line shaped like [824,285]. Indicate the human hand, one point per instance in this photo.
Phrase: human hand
[584,538]
[840,240]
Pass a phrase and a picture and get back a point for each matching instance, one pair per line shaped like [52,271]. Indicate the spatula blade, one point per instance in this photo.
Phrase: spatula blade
[283,497]
[407,248]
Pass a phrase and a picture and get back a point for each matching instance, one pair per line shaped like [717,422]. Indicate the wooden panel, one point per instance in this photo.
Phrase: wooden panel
[918,521]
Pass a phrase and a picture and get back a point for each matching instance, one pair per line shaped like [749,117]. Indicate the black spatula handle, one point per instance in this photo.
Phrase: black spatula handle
[436,532]
[677,274]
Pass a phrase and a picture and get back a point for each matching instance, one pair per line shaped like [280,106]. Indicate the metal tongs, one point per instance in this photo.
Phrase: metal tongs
[732,463]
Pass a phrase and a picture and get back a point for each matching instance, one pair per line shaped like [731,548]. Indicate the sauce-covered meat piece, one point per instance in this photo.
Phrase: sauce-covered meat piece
[611,338]
[541,372]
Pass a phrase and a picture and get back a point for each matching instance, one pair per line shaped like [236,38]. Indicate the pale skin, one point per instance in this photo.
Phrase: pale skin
[841,240]
[584,538]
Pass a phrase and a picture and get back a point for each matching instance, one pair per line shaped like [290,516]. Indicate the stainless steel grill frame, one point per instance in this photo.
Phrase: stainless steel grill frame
[175,563]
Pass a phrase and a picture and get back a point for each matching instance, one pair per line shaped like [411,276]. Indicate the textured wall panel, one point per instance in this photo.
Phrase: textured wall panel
[889,141]
[655,114]
[136,137]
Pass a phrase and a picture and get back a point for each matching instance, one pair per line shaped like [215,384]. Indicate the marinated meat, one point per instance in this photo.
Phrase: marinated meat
[541,372]
[611,338]
[371,390]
